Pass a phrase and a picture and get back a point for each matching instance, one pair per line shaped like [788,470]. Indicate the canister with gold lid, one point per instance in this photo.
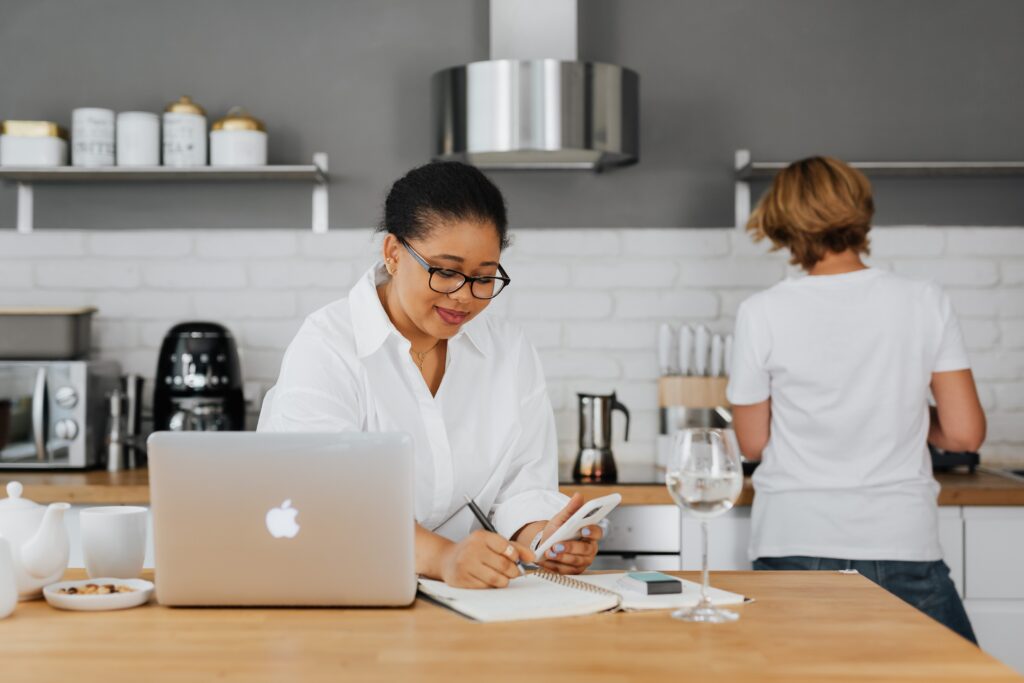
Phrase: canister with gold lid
[238,139]
[184,128]
[33,143]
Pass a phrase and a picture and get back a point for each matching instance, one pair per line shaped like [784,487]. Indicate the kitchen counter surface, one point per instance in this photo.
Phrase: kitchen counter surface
[639,485]
[802,627]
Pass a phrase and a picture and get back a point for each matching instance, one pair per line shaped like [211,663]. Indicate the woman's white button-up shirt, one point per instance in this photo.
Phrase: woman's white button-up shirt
[488,433]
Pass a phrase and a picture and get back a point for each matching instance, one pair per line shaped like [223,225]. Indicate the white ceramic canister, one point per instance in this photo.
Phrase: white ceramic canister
[92,137]
[138,138]
[33,143]
[238,139]
[8,582]
[184,133]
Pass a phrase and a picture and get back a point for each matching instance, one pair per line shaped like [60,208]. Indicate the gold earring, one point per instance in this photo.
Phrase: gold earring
[389,267]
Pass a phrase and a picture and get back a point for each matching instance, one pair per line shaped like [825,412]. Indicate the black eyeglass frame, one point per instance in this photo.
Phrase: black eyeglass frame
[503,277]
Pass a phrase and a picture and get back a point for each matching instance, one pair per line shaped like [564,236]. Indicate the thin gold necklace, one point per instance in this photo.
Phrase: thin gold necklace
[420,357]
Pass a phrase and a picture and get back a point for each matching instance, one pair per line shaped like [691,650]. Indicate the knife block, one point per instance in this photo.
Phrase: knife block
[690,402]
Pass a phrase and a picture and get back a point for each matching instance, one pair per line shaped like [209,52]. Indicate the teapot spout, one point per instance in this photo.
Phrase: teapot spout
[46,553]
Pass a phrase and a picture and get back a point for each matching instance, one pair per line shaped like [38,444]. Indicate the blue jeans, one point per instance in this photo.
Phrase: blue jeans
[925,585]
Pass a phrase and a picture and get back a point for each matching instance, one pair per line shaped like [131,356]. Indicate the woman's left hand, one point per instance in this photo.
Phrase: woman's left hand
[570,557]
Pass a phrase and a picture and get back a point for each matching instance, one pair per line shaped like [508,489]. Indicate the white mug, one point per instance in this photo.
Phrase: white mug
[8,582]
[114,541]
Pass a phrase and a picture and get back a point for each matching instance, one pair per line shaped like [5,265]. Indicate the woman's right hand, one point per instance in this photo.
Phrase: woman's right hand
[482,560]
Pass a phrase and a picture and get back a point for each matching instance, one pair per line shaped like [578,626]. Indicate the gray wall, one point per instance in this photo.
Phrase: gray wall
[865,79]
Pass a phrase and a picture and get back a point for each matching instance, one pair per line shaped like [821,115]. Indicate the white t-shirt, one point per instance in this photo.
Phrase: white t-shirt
[847,362]
[489,432]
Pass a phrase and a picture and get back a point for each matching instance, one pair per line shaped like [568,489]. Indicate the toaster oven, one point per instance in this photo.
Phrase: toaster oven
[53,413]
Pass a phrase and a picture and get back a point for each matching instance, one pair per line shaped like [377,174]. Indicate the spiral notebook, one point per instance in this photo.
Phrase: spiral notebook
[545,595]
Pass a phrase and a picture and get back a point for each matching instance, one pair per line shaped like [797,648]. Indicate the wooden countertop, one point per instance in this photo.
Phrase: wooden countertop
[804,627]
[132,487]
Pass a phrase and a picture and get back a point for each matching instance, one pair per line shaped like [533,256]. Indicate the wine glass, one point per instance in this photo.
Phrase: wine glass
[704,476]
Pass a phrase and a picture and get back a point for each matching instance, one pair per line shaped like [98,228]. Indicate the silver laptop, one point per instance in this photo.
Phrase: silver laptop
[247,518]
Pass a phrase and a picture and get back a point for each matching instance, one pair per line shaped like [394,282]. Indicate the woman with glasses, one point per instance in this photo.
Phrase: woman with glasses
[409,350]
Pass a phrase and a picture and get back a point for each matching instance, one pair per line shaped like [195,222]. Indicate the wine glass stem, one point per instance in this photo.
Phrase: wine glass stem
[704,559]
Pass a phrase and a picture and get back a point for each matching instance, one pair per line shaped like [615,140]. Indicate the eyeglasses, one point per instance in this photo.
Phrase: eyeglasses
[448,281]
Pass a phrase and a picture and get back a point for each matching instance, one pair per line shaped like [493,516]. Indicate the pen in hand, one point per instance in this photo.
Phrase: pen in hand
[486,524]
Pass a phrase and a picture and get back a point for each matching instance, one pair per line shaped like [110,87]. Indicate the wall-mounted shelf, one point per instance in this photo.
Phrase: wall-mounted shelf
[25,177]
[747,170]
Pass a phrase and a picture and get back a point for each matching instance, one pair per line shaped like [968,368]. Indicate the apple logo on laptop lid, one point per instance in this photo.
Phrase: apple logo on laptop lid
[281,521]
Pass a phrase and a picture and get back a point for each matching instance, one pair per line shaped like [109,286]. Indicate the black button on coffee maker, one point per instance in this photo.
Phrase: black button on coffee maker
[198,384]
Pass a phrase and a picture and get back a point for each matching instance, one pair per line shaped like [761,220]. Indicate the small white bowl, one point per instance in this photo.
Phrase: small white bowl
[95,603]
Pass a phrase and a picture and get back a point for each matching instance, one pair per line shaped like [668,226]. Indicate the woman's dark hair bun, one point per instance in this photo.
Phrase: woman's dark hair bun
[442,191]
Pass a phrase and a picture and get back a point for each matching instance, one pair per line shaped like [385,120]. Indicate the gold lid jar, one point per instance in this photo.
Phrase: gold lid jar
[238,118]
[185,105]
[32,129]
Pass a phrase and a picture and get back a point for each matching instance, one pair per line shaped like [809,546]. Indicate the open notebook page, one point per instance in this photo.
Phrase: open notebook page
[526,597]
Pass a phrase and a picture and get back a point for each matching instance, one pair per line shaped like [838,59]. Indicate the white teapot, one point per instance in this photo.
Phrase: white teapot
[38,540]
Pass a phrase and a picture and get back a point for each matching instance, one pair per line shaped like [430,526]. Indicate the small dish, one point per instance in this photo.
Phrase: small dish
[95,603]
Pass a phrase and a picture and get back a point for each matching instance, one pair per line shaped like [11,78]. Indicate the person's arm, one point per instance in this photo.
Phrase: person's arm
[753,427]
[957,420]
[480,560]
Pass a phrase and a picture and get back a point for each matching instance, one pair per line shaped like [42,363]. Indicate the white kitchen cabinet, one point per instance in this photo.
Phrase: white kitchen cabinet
[75,534]
[999,626]
[994,545]
[729,536]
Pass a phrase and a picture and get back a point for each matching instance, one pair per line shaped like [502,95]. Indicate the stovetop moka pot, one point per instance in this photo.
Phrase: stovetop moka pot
[595,461]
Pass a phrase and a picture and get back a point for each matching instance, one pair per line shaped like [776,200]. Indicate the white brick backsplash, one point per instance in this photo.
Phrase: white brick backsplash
[906,241]
[358,245]
[1010,396]
[248,304]
[950,272]
[985,241]
[612,335]
[1013,272]
[542,334]
[730,273]
[269,334]
[565,242]
[239,244]
[529,273]
[666,304]
[296,274]
[560,304]
[144,305]
[193,274]
[980,334]
[43,244]
[620,274]
[997,365]
[131,243]
[572,364]
[88,274]
[1012,335]
[15,275]
[114,334]
[676,243]
[590,300]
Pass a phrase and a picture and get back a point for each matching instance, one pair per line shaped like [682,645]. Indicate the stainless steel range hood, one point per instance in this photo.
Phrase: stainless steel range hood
[532,106]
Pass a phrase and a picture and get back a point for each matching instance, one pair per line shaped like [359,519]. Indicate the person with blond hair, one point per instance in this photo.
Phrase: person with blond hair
[831,374]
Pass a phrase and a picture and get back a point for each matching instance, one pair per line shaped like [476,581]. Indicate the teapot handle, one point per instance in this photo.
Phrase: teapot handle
[616,405]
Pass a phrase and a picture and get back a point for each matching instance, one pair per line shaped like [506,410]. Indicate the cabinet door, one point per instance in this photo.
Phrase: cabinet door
[994,553]
[951,538]
[999,626]
[728,537]
[75,560]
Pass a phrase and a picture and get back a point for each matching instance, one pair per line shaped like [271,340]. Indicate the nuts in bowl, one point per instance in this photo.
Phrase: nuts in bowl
[98,594]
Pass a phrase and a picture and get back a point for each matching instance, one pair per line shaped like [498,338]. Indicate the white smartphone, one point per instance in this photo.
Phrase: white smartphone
[592,512]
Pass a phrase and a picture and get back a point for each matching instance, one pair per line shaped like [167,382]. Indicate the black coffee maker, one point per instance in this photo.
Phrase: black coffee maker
[198,383]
